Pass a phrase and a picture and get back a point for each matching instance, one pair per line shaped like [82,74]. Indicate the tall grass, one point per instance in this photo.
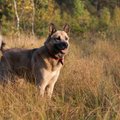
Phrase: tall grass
[88,87]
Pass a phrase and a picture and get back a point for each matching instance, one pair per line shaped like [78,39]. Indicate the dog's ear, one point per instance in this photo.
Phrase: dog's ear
[3,44]
[52,29]
[66,28]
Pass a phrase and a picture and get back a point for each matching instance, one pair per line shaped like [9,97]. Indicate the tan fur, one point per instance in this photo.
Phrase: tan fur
[43,64]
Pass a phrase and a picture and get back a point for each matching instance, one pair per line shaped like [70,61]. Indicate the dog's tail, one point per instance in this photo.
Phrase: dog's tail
[2,44]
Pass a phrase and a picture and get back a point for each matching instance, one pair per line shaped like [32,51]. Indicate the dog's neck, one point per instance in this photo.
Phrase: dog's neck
[61,60]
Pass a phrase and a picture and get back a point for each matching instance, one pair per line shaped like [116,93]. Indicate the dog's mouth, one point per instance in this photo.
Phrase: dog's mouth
[63,51]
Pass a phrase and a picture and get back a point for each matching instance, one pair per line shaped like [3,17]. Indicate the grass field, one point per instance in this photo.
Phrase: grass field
[88,87]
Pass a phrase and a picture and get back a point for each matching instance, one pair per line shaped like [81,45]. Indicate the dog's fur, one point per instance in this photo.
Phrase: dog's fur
[43,63]
[2,44]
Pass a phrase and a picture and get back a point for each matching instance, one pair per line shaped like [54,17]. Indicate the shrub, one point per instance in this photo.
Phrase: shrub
[116,18]
[104,19]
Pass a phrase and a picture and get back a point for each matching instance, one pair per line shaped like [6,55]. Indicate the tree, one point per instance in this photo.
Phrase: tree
[33,16]
[6,12]
[17,16]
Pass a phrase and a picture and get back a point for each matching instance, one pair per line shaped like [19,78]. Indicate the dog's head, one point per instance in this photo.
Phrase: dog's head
[58,41]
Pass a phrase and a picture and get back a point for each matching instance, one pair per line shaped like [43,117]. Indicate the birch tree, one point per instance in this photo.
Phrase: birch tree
[16,14]
[33,16]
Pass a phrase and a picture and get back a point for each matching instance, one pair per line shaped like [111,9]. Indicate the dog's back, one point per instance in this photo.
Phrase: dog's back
[18,58]
[17,61]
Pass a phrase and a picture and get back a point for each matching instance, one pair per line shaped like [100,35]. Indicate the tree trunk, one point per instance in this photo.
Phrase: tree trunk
[16,14]
[33,16]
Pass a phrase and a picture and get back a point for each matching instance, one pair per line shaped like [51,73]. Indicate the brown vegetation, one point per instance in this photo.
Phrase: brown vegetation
[88,87]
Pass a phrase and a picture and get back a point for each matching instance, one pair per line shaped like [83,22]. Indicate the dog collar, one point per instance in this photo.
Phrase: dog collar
[61,61]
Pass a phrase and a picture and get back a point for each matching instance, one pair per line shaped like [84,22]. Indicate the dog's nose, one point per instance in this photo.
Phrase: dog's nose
[61,45]
[64,45]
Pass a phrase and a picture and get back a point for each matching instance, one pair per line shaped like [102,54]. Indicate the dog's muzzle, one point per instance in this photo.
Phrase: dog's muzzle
[61,46]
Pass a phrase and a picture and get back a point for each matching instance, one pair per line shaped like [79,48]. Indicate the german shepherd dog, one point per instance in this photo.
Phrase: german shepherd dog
[43,63]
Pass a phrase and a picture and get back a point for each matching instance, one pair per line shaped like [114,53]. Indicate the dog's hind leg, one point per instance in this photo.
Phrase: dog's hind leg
[2,74]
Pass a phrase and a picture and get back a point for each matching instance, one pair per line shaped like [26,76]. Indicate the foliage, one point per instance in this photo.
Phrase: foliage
[105,19]
[83,16]
[116,17]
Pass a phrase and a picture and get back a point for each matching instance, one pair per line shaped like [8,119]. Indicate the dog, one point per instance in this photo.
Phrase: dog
[43,64]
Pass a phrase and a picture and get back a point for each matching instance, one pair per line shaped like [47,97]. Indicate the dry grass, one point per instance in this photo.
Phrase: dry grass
[88,87]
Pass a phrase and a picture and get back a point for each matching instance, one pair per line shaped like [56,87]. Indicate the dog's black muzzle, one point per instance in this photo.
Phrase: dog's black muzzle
[61,46]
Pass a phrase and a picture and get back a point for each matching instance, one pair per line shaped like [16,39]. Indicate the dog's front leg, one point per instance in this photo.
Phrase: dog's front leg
[39,80]
[50,87]
[38,72]
[40,83]
[42,89]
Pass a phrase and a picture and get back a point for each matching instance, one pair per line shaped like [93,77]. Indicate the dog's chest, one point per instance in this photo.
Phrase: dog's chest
[48,75]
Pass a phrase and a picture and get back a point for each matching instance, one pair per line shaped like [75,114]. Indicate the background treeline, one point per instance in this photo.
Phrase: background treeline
[82,15]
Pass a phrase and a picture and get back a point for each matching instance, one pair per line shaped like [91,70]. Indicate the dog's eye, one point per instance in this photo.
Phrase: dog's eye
[66,38]
[58,38]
